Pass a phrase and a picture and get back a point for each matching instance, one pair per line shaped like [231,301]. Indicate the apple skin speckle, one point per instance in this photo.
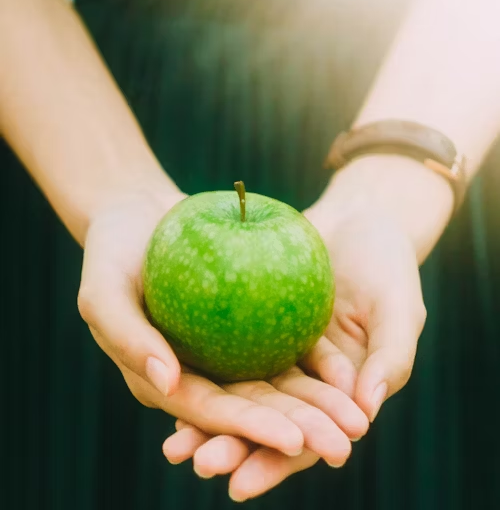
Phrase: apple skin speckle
[238,300]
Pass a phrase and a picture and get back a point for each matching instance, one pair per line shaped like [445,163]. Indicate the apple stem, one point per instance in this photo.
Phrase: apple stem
[240,188]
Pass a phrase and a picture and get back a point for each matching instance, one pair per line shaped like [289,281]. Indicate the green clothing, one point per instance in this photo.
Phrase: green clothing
[253,92]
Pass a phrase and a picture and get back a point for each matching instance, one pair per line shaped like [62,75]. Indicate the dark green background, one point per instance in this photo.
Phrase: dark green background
[228,93]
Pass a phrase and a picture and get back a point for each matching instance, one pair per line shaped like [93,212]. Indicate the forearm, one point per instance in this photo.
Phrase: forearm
[440,71]
[63,115]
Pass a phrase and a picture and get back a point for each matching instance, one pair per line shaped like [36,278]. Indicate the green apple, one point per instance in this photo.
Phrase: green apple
[240,285]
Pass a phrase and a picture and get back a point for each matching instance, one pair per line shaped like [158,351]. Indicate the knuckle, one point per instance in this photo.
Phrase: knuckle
[327,362]
[303,412]
[122,351]
[280,380]
[403,374]
[259,389]
[399,366]
[87,306]
[251,413]
[326,393]
[328,357]
[116,338]
[140,394]
[421,314]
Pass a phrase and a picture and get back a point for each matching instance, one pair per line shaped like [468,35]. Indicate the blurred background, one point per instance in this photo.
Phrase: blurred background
[253,90]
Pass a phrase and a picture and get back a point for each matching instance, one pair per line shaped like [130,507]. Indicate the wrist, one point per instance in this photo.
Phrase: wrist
[395,187]
[152,188]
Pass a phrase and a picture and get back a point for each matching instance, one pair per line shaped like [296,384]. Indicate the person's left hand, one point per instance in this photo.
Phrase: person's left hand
[367,352]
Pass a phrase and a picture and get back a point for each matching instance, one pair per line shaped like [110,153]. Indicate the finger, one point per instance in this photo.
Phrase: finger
[333,402]
[391,354]
[221,455]
[332,366]
[211,455]
[179,425]
[205,405]
[347,333]
[183,444]
[263,470]
[109,302]
[321,434]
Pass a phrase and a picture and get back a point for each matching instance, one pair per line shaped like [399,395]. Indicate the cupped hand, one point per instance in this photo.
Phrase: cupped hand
[295,410]
[379,314]
[367,351]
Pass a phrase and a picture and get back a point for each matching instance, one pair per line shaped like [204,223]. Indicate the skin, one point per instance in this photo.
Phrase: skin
[80,142]
[381,217]
[76,132]
[361,332]
[258,411]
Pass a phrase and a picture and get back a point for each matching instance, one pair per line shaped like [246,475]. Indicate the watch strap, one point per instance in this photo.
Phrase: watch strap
[405,138]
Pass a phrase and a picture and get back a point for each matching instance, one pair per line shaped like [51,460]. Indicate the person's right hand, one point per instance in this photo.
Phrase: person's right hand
[111,302]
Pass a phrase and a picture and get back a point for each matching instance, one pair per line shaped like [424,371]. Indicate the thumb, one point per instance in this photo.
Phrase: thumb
[110,304]
[124,333]
[392,343]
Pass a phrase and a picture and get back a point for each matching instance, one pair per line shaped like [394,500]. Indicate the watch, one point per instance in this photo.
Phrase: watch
[404,138]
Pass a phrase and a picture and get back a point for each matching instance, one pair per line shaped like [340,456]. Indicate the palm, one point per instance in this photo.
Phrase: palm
[378,288]
[282,415]
[377,318]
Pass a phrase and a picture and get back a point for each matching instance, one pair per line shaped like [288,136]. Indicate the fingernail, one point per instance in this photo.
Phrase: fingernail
[157,374]
[236,499]
[377,399]
[205,477]
[335,466]
[293,453]
[174,462]
[356,439]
